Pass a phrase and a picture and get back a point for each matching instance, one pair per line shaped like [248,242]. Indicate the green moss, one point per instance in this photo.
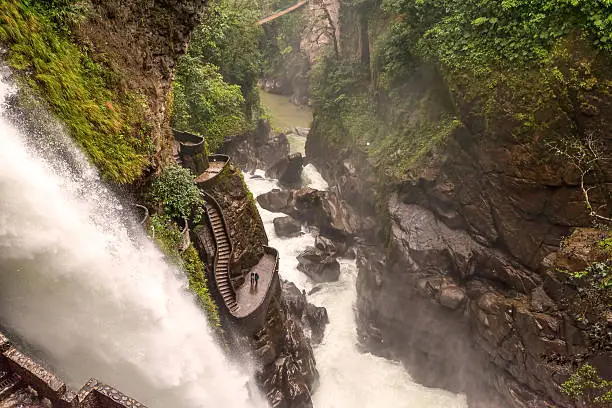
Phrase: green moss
[168,236]
[194,268]
[81,93]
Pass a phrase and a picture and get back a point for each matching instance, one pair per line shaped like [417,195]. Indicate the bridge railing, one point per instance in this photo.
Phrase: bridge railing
[49,386]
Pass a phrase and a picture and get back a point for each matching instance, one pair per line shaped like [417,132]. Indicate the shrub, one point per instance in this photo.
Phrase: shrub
[587,386]
[176,193]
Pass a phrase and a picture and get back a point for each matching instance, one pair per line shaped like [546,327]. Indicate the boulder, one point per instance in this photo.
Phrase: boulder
[316,318]
[287,226]
[452,296]
[329,246]
[302,131]
[288,170]
[318,266]
[313,317]
[276,200]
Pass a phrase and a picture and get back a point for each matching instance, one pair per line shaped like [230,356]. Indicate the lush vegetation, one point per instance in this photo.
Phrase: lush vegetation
[482,35]
[169,239]
[194,268]
[175,193]
[586,386]
[168,236]
[109,125]
[215,86]
[433,59]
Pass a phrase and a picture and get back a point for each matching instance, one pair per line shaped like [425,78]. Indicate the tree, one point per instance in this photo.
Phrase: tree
[588,388]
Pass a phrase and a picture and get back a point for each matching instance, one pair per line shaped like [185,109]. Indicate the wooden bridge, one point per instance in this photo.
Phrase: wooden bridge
[282,12]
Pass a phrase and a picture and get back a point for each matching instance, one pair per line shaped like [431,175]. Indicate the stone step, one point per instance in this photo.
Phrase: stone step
[8,384]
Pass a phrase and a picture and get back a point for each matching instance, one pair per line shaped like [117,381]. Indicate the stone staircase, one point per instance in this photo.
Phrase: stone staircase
[9,383]
[223,255]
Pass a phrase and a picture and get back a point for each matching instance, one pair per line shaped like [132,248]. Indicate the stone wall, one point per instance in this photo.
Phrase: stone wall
[49,386]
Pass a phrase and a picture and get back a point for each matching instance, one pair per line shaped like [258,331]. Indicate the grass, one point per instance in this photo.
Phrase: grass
[107,124]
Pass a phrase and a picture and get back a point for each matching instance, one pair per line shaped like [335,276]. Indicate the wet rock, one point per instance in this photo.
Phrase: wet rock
[288,170]
[452,297]
[314,207]
[330,247]
[318,266]
[313,317]
[316,318]
[259,149]
[276,200]
[301,131]
[287,370]
[287,226]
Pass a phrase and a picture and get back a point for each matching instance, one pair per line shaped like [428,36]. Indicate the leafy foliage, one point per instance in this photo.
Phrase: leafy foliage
[214,89]
[108,125]
[177,194]
[229,39]
[481,34]
[169,239]
[194,268]
[205,104]
[587,386]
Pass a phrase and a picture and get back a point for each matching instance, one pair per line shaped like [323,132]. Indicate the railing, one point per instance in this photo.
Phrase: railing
[143,214]
[48,386]
[190,144]
[218,158]
[210,200]
[256,318]
[214,158]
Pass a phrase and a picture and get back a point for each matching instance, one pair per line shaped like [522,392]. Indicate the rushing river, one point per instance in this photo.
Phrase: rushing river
[349,378]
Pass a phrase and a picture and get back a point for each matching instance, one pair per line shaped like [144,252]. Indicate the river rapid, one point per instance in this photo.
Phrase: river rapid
[349,377]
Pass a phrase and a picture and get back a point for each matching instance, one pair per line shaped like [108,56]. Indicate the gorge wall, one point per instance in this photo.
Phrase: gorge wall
[459,278]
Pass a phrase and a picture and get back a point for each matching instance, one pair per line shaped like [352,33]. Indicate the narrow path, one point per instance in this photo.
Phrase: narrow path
[222,256]
[281,13]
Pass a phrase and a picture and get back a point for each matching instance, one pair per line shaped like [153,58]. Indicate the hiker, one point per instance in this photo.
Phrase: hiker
[256,279]
[252,279]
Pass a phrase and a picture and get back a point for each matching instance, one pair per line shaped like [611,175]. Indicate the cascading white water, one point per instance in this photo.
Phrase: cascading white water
[92,298]
[348,377]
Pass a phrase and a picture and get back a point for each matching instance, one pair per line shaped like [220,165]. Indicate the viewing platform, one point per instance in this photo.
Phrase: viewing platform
[247,306]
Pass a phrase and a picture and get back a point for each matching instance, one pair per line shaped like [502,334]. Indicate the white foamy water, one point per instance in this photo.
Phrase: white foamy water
[91,298]
[349,378]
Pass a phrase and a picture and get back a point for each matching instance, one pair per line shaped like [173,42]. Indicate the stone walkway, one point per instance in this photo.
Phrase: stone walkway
[211,172]
[249,298]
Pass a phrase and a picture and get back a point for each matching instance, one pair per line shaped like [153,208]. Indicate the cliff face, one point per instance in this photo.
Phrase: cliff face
[459,281]
[141,41]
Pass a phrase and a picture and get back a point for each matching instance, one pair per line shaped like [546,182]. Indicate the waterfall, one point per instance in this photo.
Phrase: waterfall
[90,296]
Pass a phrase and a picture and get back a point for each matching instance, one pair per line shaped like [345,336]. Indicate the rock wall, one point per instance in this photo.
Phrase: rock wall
[456,280]
[142,40]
